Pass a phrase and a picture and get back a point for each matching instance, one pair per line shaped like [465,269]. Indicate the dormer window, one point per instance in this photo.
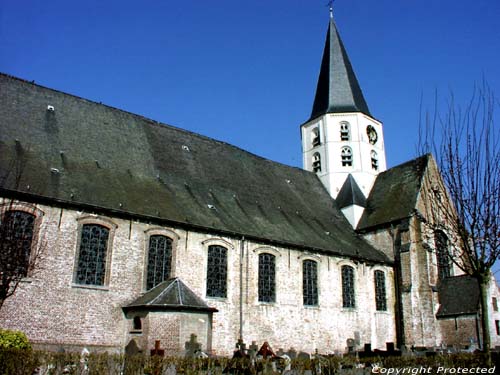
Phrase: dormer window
[346,155]
[345,131]
[315,137]
[374,157]
[316,162]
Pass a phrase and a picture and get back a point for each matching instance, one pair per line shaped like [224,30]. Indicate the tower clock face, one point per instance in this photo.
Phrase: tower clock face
[372,134]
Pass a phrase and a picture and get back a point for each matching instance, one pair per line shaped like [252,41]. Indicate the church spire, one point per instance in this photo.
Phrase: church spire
[338,90]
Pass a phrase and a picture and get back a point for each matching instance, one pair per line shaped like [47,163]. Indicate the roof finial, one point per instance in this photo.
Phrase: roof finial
[330,4]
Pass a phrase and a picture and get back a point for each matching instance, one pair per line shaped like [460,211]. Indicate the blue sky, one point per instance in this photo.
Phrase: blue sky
[245,72]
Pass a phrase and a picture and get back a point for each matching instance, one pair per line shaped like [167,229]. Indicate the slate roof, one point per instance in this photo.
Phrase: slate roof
[350,194]
[458,295]
[394,194]
[338,89]
[99,158]
[170,295]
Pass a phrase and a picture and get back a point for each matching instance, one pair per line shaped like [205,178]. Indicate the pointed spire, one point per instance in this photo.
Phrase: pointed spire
[338,89]
[350,194]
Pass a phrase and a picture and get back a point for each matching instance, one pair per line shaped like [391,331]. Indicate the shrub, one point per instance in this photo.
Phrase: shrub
[13,340]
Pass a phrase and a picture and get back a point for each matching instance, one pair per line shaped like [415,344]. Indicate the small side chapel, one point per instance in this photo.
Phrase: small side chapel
[149,232]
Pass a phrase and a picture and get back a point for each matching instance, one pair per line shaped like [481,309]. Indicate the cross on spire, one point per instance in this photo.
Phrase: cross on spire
[330,4]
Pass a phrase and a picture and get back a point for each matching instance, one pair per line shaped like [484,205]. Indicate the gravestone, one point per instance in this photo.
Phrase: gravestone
[157,350]
[192,346]
[292,353]
[252,350]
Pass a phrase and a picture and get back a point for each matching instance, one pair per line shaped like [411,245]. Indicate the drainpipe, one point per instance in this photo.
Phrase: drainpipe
[242,253]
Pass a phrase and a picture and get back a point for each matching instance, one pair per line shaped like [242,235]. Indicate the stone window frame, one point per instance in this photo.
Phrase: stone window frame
[159,231]
[345,131]
[229,246]
[374,160]
[354,282]
[31,209]
[380,303]
[444,269]
[316,162]
[111,226]
[277,254]
[319,260]
[346,156]
[315,136]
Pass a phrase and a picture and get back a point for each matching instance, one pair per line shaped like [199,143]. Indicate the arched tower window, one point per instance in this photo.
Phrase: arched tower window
[345,131]
[159,260]
[346,155]
[267,277]
[374,158]
[315,137]
[310,282]
[442,255]
[348,295]
[316,162]
[217,271]
[16,235]
[380,294]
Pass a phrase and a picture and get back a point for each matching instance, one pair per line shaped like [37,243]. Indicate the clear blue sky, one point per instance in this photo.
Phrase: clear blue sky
[245,72]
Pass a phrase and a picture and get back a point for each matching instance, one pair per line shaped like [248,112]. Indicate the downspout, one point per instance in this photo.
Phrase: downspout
[242,253]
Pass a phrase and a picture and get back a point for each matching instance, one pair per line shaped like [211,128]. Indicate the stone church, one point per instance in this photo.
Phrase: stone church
[148,232]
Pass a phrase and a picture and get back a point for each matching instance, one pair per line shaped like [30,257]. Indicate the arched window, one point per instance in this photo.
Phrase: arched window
[346,155]
[442,255]
[267,277]
[374,157]
[315,137]
[348,297]
[316,162]
[380,295]
[217,271]
[16,236]
[345,131]
[159,260]
[91,269]
[137,323]
[310,282]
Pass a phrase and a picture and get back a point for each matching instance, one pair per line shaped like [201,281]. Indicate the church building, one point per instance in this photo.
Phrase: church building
[143,231]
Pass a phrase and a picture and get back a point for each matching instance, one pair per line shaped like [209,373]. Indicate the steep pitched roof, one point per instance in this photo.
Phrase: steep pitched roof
[458,295]
[350,194]
[170,295]
[92,156]
[338,89]
[394,194]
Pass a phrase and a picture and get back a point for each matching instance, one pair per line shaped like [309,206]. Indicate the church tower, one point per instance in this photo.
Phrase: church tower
[341,142]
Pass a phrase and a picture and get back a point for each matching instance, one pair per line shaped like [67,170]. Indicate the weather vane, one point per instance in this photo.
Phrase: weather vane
[330,4]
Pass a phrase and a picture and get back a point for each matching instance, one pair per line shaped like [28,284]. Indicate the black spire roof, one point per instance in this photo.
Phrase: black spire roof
[338,89]
[350,194]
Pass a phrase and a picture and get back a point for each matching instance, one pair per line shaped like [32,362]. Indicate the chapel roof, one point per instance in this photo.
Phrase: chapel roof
[338,90]
[102,159]
[169,295]
[394,194]
[458,295]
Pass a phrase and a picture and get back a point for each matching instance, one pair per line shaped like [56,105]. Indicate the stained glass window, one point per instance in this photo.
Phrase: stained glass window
[443,257]
[159,260]
[92,258]
[217,271]
[380,297]
[310,282]
[267,277]
[16,235]
[348,299]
